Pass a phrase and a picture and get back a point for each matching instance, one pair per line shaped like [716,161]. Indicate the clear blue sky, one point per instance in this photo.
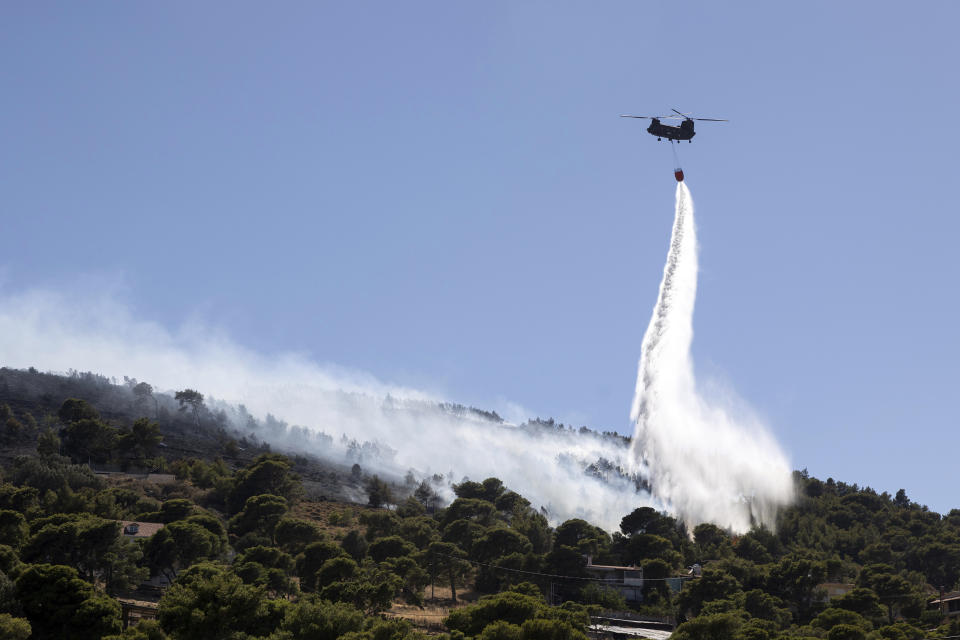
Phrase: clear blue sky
[442,194]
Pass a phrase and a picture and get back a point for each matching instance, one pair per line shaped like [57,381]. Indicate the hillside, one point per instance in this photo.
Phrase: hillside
[259,544]
[205,427]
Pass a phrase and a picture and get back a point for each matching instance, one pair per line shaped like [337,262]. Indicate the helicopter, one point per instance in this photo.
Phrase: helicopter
[670,132]
[674,133]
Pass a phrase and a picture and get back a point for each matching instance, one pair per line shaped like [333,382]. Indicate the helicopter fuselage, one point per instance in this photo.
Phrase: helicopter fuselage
[683,132]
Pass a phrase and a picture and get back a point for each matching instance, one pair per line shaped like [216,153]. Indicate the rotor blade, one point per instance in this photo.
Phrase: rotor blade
[675,111]
[651,117]
[710,119]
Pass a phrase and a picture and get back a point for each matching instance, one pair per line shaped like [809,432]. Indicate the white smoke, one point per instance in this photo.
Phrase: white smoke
[703,462]
[53,331]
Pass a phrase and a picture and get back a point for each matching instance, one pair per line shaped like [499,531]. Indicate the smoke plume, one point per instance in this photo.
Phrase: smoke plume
[703,462]
[689,456]
[389,429]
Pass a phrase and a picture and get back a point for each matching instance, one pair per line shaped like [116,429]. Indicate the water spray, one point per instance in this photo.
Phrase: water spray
[707,461]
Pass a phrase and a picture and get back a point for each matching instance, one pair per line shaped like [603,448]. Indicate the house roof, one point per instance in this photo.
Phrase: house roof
[611,567]
[947,597]
[144,529]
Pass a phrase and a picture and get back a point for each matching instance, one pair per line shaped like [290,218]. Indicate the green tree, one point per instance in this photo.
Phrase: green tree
[764,606]
[420,530]
[646,546]
[846,632]
[371,590]
[81,541]
[390,547]
[863,601]
[53,473]
[267,474]
[355,544]
[312,559]
[581,535]
[177,546]
[711,541]
[413,576]
[191,400]
[210,603]
[511,502]
[378,492]
[648,520]
[501,630]
[13,528]
[759,545]
[141,440]
[938,561]
[891,589]
[313,619]
[535,528]
[547,629]
[269,557]
[8,595]
[655,573]
[176,509]
[380,523]
[721,626]
[474,510]
[832,616]
[75,409]
[750,549]
[565,561]
[9,561]
[14,628]
[293,534]
[13,430]
[463,533]
[216,529]
[336,569]
[120,566]
[410,508]
[425,495]
[446,559]
[713,585]
[492,489]
[508,606]
[796,580]
[267,566]
[470,490]
[143,396]
[48,443]
[58,604]
[497,542]
[260,515]
[143,630]
[606,597]
[89,440]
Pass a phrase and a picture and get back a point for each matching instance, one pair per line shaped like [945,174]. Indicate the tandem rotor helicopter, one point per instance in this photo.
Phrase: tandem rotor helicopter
[674,133]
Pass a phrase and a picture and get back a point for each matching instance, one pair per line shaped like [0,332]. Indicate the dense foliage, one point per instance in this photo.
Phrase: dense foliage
[246,557]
